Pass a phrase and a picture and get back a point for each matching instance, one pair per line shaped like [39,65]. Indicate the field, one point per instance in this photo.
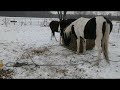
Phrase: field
[26,48]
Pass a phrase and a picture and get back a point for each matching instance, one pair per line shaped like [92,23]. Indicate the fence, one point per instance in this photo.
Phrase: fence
[23,21]
[42,22]
[116,27]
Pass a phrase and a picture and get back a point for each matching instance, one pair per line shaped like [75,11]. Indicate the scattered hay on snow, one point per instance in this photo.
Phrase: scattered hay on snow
[29,53]
[6,73]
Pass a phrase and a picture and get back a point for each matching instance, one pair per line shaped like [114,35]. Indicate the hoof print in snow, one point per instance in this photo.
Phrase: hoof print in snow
[118,55]
[113,45]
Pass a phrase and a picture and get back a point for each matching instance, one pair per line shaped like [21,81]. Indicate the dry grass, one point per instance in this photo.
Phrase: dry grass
[29,53]
[39,51]
[6,73]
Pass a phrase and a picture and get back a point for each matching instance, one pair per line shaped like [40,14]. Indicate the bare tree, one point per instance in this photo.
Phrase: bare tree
[62,15]
[5,21]
[30,21]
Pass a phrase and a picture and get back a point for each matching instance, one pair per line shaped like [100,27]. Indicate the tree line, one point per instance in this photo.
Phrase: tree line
[48,14]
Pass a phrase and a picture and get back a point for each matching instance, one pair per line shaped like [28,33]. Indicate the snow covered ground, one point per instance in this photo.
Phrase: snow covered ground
[32,42]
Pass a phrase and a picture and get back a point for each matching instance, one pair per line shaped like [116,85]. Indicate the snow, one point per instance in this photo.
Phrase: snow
[18,44]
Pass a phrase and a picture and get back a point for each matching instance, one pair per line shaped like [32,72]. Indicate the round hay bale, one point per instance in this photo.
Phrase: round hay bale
[73,44]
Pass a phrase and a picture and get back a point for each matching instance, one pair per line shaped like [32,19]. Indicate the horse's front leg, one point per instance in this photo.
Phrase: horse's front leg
[60,42]
[61,38]
[84,45]
[78,45]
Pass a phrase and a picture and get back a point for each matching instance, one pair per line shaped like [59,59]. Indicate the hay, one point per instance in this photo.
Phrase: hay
[73,44]
[6,73]
[30,52]
[39,51]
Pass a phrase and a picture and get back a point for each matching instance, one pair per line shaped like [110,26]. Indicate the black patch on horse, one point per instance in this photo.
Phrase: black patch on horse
[54,26]
[73,31]
[90,29]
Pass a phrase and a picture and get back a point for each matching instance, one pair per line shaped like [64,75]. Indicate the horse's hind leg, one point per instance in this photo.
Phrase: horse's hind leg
[105,51]
[55,38]
[60,42]
[51,35]
[99,50]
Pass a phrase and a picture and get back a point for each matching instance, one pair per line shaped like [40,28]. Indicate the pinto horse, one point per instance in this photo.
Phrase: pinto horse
[54,28]
[97,28]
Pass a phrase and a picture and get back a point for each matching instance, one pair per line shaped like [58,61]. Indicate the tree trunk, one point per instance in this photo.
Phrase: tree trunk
[62,16]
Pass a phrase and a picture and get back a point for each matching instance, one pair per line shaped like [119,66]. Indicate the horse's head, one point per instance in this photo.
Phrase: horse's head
[66,38]
[63,24]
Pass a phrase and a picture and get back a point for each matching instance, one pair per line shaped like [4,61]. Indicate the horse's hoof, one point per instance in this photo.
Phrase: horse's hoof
[108,62]
[83,53]
[96,63]
[77,53]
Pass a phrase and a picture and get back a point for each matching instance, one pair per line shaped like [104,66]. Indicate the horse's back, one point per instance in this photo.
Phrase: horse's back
[54,25]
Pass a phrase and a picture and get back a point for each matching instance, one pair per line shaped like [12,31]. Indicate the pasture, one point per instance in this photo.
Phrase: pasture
[28,42]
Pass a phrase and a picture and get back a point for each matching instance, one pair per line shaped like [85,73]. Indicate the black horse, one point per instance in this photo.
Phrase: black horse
[54,28]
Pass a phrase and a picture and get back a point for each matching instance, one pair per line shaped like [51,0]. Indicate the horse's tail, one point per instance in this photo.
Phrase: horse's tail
[105,39]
